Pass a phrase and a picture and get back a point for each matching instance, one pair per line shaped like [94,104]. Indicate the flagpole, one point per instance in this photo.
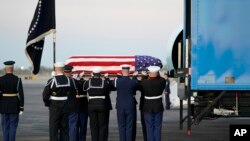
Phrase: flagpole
[54,48]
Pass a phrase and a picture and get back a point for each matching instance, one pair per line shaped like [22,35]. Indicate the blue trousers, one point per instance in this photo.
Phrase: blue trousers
[9,126]
[78,126]
[153,124]
[126,119]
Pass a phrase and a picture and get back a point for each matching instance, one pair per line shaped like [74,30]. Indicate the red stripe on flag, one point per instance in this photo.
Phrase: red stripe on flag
[103,72]
[102,57]
[109,64]
[100,63]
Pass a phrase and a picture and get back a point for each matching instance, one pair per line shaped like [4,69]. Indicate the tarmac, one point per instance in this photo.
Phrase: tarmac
[34,126]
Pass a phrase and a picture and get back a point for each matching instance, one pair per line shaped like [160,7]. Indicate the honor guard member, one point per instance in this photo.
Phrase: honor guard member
[144,76]
[82,110]
[167,91]
[78,116]
[98,89]
[11,101]
[126,103]
[108,100]
[153,88]
[55,96]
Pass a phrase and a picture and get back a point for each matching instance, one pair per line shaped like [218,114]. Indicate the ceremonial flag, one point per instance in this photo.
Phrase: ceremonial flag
[111,64]
[43,23]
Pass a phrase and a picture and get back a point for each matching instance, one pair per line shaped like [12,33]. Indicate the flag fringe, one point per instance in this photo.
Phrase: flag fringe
[40,37]
[37,39]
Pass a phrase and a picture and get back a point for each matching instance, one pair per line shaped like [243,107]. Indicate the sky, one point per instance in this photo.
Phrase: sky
[92,27]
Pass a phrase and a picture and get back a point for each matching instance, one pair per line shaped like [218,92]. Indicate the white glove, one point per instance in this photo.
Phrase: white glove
[135,73]
[144,73]
[106,75]
[81,74]
[20,113]
[74,76]
[53,73]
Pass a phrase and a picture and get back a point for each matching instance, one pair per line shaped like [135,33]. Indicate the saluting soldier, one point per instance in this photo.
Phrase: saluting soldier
[55,95]
[82,109]
[11,101]
[78,116]
[108,101]
[126,103]
[153,88]
[98,107]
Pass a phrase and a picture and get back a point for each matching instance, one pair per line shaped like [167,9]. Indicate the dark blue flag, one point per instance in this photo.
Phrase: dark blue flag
[43,23]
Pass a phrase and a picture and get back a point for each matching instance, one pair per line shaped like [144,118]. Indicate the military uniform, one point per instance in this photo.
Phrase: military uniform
[81,111]
[56,95]
[78,116]
[109,104]
[153,88]
[143,124]
[126,106]
[98,106]
[11,102]
[167,93]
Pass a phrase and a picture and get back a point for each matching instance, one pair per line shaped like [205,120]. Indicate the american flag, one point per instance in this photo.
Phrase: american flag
[111,64]
[42,24]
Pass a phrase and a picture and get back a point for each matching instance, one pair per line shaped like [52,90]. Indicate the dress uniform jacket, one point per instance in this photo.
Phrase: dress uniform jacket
[98,107]
[78,99]
[58,86]
[152,106]
[81,97]
[126,88]
[78,115]
[153,87]
[110,88]
[56,95]
[142,93]
[72,97]
[11,84]
[126,107]
[97,87]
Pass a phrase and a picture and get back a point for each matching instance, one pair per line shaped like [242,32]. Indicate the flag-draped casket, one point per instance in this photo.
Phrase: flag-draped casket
[111,64]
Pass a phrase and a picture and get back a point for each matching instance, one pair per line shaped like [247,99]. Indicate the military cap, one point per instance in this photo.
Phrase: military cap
[9,63]
[153,69]
[144,73]
[68,68]
[59,64]
[96,70]
[125,67]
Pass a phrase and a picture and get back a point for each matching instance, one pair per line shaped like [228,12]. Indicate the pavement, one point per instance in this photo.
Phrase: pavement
[33,125]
